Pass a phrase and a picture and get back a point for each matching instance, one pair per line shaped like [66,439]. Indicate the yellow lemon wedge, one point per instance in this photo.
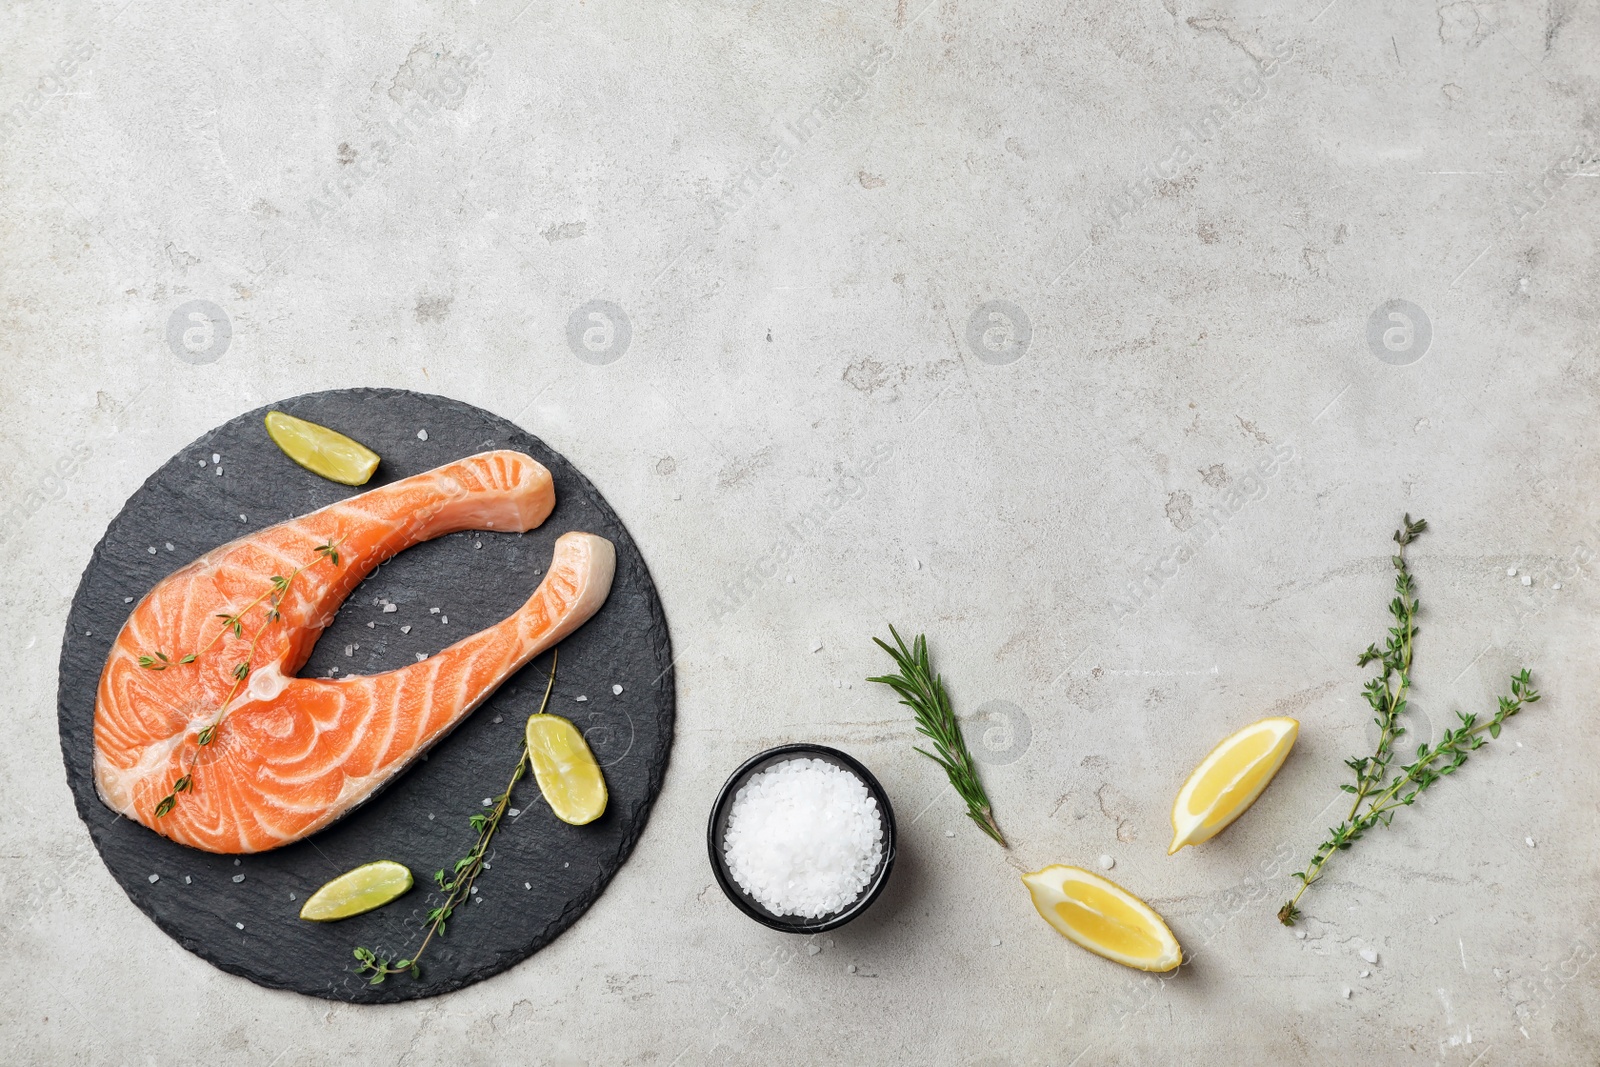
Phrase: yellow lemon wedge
[371,885]
[1229,780]
[1103,917]
[322,451]
[565,769]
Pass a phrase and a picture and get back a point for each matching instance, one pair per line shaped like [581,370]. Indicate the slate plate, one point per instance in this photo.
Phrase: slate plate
[543,874]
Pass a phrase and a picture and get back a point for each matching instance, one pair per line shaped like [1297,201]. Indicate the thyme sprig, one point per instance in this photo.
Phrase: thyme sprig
[923,692]
[456,883]
[1387,695]
[232,622]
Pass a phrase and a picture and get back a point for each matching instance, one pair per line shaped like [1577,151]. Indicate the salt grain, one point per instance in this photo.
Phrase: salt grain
[616,690]
[444,620]
[527,885]
[387,608]
[487,801]
[949,833]
[804,838]
[1106,863]
[1370,955]
[168,546]
[291,896]
[238,878]
[433,611]
[994,942]
[187,880]
[1346,993]
[405,629]
[127,600]
[580,699]
[239,925]
[1511,572]
[154,878]
[1366,973]
[371,625]
[421,656]
[816,645]
[422,435]
[216,457]
[851,968]
[514,812]
[151,550]
[1527,579]
[1529,840]
[812,950]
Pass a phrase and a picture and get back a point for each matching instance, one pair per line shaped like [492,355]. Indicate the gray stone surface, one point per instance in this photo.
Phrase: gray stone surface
[824,228]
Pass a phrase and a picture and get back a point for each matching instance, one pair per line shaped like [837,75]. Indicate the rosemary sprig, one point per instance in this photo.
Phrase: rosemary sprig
[1387,696]
[457,883]
[232,623]
[923,692]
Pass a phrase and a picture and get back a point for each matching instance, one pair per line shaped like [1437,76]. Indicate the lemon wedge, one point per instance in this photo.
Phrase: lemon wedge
[371,885]
[322,451]
[1229,780]
[1103,917]
[565,769]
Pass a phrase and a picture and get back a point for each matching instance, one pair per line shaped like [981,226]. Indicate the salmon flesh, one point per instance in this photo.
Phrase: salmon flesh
[242,755]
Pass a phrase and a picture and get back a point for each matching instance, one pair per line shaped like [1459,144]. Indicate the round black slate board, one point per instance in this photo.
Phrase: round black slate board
[543,873]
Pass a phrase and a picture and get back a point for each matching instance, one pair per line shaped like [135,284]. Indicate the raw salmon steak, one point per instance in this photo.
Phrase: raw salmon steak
[230,752]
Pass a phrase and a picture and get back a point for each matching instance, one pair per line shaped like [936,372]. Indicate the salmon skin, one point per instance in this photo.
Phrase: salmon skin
[286,756]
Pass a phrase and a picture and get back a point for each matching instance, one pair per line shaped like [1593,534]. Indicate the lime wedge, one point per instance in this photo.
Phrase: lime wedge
[565,769]
[371,885]
[322,451]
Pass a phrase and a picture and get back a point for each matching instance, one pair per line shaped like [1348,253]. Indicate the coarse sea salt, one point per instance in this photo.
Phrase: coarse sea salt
[804,838]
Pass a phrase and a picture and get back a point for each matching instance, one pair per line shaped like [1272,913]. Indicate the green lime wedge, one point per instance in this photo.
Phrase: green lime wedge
[371,885]
[321,450]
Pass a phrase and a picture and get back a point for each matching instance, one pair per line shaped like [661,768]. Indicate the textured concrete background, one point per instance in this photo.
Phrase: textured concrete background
[1100,293]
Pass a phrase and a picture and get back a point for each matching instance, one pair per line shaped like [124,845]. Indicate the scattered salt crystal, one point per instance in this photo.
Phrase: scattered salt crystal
[444,620]
[804,837]
[349,650]
[387,608]
[1300,934]
[580,699]
[421,656]
[477,899]
[527,885]
[216,457]
[430,816]
[1434,919]
[168,546]
[994,942]
[514,812]
[477,544]
[789,578]
[371,625]
[127,600]
[151,550]
[1557,585]
[1529,840]
[333,670]
[949,833]
[485,867]
[616,690]
[1106,863]
[816,644]
[851,968]
[243,519]
[474,890]
[433,611]
[1527,579]
[202,463]
[238,878]
[499,718]
[187,880]
[565,865]
[1365,973]
[487,801]
[1346,993]
[812,950]
[1370,955]
[154,878]
[239,925]
[238,863]
[916,564]
[1511,572]
[422,435]
[838,683]
[405,629]
[677,496]
[219,472]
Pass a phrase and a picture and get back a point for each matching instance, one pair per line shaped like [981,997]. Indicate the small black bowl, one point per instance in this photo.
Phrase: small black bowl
[718,825]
